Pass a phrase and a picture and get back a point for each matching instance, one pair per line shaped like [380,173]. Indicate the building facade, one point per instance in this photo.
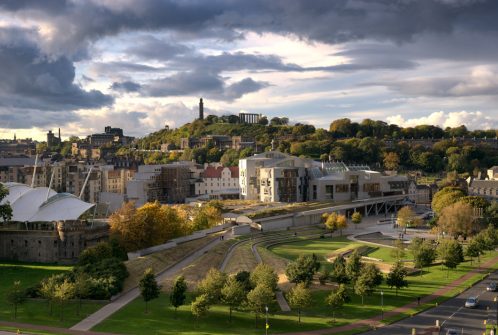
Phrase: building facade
[217,181]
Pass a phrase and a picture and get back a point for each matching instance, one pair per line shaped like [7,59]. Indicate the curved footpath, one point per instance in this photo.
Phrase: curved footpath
[375,322]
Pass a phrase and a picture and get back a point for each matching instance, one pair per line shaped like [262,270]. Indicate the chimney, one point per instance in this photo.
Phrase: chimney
[59,134]
[201,110]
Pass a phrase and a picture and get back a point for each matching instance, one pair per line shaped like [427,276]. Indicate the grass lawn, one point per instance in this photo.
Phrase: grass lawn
[36,311]
[161,319]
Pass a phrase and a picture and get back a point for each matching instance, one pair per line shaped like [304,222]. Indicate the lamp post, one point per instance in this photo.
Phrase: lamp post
[382,304]
[266,324]
[496,306]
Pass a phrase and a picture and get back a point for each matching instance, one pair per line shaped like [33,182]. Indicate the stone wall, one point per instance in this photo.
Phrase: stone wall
[58,245]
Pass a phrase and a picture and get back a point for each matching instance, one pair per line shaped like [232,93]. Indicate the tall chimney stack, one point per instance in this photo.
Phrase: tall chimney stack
[201,110]
[60,135]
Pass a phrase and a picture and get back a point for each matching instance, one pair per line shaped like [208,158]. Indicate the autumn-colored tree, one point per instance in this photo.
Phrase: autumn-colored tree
[356,218]
[149,225]
[330,220]
[341,222]
[457,219]
[446,197]
[391,161]
[406,217]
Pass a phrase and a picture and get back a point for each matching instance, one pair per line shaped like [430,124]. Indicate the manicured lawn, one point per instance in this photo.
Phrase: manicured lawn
[36,311]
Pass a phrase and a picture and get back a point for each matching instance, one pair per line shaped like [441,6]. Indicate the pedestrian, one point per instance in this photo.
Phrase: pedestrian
[223,237]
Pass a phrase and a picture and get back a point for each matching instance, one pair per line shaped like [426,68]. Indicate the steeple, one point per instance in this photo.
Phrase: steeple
[201,110]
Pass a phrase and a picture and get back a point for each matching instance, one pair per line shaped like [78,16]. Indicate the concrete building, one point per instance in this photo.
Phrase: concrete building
[217,182]
[53,141]
[274,176]
[168,184]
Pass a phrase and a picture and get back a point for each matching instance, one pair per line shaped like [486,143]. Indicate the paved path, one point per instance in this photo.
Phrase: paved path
[46,329]
[375,322]
[109,309]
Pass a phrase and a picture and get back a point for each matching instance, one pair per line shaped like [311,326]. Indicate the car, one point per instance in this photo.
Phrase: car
[451,332]
[491,287]
[472,302]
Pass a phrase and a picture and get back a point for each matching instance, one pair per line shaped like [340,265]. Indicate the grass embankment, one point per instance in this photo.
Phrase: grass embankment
[37,311]
[198,269]
[161,260]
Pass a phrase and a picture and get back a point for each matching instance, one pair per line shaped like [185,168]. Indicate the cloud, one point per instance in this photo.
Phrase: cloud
[33,82]
[201,83]
[472,120]
[126,86]
[481,81]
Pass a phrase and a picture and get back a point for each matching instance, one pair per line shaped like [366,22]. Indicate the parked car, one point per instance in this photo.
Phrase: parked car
[472,302]
[491,287]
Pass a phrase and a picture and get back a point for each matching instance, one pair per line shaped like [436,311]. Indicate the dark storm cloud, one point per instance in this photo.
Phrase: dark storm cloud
[33,81]
[201,83]
[321,20]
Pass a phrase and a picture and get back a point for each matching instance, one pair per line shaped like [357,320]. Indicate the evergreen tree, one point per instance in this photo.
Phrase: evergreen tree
[149,289]
[178,296]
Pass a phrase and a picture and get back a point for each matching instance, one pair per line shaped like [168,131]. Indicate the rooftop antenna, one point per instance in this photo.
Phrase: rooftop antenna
[86,181]
[34,172]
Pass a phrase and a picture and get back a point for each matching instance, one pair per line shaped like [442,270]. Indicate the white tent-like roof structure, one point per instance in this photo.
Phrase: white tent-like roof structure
[42,204]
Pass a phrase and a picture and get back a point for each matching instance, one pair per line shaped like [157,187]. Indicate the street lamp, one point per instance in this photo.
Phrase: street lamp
[382,304]
[266,325]
[496,306]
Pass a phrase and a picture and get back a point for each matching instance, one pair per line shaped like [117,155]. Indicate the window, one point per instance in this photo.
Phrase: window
[342,188]
[329,191]
[372,187]
[314,192]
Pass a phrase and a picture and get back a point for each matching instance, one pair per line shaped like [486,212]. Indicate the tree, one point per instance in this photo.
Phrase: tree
[212,284]
[451,253]
[341,223]
[200,307]
[299,297]
[391,161]
[233,294]
[178,296]
[338,272]
[446,197]
[474,249]
[149,225]
[353,266]
[47,289]
[406,217]
[264,275]
[424,255]
[356,218]
[330,220]
[337,298]
[456,219]
[244,277]
[5,209]
[64,292]
[259,298]
[370,278]
[149,289]
[396,277]
[16,296]
[302,269]
[398,252]
[81,289]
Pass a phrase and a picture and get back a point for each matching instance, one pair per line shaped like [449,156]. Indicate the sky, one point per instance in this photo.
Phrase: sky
[140,65]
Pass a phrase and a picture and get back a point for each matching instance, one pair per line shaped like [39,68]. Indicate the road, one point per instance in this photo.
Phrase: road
[109,309]
[451,314]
